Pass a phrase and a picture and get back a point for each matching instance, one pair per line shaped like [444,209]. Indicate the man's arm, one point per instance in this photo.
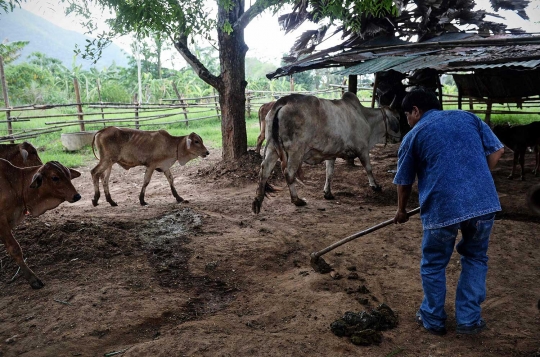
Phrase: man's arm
[404,192]
[494,157]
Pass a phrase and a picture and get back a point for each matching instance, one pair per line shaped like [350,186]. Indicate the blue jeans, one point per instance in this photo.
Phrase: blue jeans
[437,247]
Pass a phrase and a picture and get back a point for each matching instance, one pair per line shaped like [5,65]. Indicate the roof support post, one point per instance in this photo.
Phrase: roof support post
[439,87]
[487,118]
[375,84]
[353,83]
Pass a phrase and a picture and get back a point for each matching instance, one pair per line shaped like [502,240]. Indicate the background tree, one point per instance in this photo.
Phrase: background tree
[10,51]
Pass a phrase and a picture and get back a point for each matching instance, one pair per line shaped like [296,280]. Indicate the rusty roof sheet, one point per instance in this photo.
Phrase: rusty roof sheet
[445,53]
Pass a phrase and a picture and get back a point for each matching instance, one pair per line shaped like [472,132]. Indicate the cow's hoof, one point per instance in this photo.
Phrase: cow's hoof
[94,203]
[376,188]
[179,199]
[144,203]
[328,196]
[299,202]
[112,203]
[256,206]
[36,284]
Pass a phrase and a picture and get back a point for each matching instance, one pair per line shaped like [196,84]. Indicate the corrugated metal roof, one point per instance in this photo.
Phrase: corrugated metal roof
[448,52]
[374,65]
[425,62]
[453,36]
[524,64]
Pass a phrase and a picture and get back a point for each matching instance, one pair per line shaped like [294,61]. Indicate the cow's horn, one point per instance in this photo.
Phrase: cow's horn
[393,102]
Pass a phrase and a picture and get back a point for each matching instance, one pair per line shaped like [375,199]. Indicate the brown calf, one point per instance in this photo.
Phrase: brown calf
[21,155]
[263,110]
[157,150]
[31,190]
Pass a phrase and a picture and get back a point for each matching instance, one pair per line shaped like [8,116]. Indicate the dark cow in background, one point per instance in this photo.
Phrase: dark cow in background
[32,190]
[157,150]
[518,138]
[390,89]
[20,155]
[263,111]
[308,129]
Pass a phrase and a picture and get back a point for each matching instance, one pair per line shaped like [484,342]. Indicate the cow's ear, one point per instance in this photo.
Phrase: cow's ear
[74,173]
[188,143]
[24,155]
[37,180]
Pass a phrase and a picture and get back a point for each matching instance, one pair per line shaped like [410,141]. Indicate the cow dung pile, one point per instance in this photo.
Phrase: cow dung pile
[364,328]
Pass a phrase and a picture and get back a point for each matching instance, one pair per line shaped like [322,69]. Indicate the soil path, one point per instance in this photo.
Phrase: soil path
[209,278]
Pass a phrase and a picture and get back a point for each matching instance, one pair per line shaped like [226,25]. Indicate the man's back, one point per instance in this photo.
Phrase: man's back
[447,151]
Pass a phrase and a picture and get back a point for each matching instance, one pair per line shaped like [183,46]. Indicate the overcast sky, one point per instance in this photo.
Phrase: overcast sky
[263,36]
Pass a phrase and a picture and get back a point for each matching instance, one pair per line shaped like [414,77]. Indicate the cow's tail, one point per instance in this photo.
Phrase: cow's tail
[283,157]
[269,190]
[278,144]
[259,116]
[93,143]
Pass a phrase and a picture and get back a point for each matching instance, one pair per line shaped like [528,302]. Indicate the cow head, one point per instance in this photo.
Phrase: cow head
[195,146]
[391,115]
[504,133]
[50,186]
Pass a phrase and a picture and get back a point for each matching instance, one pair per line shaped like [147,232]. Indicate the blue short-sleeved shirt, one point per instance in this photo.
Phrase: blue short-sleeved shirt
[447,151]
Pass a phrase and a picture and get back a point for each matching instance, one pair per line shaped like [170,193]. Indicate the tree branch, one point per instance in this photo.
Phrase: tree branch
[255,10]
[198,67]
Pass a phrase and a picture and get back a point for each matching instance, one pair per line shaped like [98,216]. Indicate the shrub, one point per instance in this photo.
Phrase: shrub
[115,93]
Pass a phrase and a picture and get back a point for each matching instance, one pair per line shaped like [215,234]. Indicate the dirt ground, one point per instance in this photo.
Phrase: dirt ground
[209,278]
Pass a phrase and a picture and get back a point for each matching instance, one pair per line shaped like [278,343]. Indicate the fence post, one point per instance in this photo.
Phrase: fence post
[136,105]
[100,102]
[248,97]
[176,91]
[291,80]
[79,104]
[6,98]
[216,100]
[181,100]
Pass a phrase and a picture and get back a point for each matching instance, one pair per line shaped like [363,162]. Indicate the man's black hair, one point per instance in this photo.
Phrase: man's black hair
[421,98]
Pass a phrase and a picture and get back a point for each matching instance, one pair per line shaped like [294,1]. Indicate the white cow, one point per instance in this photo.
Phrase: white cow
[303,128]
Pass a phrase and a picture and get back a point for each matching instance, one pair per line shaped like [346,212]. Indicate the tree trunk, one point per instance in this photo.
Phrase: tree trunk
[232,96]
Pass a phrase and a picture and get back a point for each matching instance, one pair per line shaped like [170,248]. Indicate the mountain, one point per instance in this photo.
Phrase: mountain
[52,40]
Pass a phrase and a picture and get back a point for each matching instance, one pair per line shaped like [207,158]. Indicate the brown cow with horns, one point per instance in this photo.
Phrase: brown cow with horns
[157,150]
[33,191]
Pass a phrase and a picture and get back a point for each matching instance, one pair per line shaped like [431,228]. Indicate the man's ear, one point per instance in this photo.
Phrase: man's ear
[74,173]
[37,180]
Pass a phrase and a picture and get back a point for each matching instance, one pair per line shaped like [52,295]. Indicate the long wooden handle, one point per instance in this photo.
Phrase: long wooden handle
[359,234]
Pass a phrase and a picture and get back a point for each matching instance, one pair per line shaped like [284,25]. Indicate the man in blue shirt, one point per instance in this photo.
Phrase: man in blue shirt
[451,152]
